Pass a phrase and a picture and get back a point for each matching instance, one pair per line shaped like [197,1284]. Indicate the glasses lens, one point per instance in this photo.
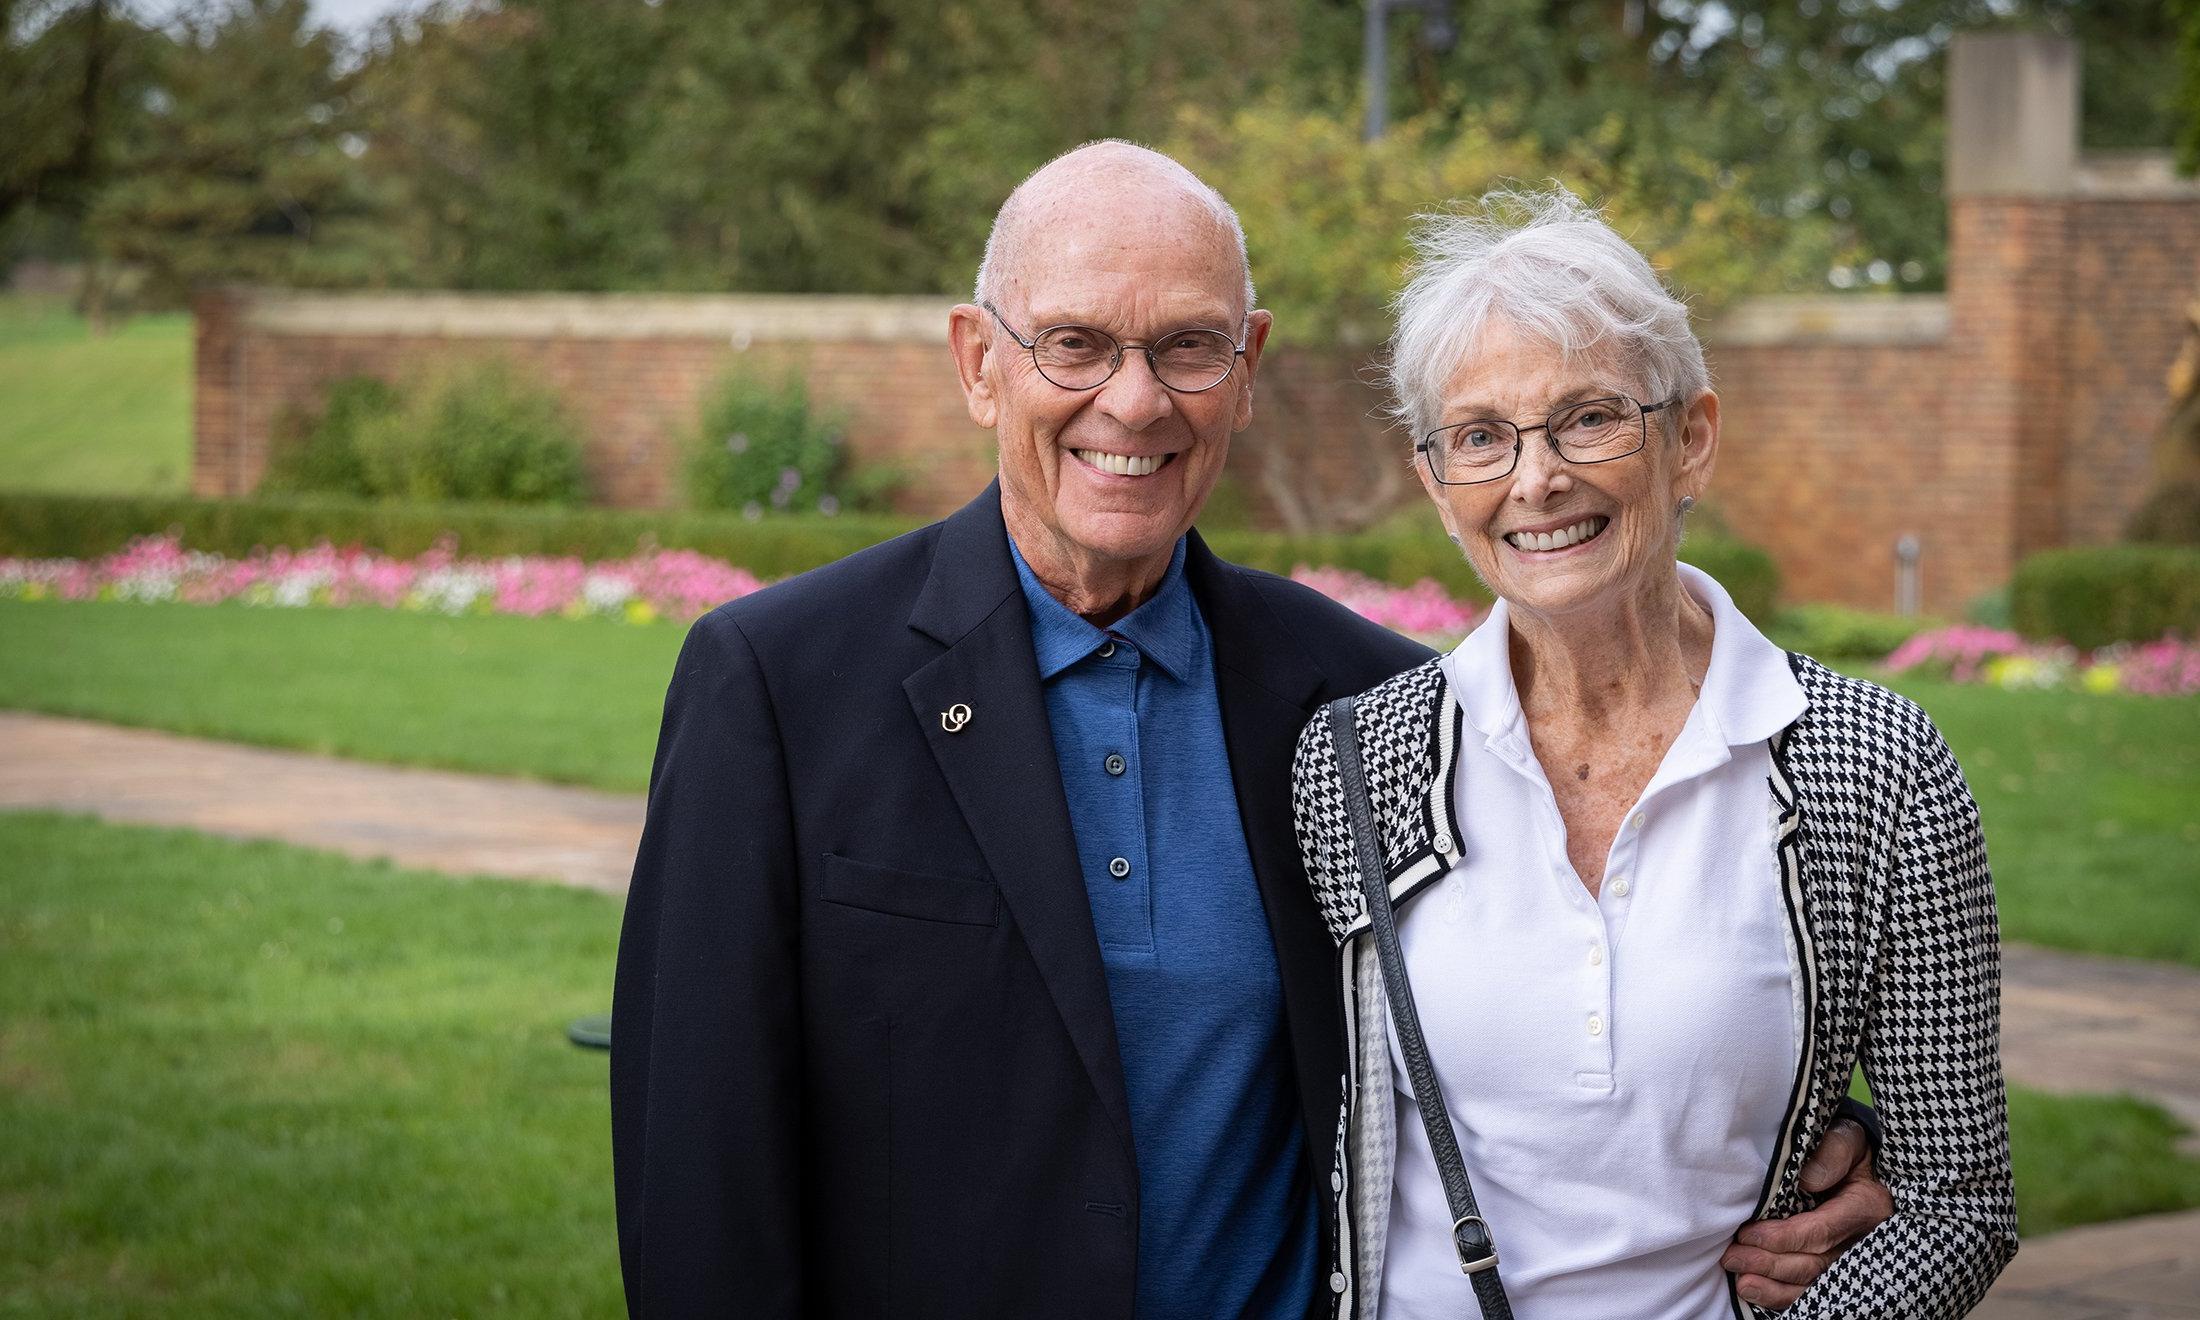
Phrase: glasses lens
[1473,451]
[1193,359]
[1075,356]
[1598,430]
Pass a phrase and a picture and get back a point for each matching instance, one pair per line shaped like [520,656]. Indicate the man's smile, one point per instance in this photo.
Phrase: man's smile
[1122,465]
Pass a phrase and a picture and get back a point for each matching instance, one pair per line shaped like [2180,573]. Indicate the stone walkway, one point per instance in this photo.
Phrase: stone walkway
[2069,1022]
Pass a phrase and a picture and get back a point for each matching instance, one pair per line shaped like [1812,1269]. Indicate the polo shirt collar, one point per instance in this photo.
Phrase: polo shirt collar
[1749,692]
[1166,629]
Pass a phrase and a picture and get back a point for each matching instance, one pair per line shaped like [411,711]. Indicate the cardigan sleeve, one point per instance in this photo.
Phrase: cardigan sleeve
[1932,1054]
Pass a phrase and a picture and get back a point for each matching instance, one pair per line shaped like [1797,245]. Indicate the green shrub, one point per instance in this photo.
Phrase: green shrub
[473,431]
[52,526]
[320,452]
[2117,593]
[763,449]
[1836,632]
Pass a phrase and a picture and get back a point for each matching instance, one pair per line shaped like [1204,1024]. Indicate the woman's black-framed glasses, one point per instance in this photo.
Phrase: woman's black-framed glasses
[1079,357]
[1592,431]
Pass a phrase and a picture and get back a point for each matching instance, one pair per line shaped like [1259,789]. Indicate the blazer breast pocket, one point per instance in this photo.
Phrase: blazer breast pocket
[957,900]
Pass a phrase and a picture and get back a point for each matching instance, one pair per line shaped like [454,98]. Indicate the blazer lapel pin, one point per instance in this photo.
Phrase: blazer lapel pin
[955,717]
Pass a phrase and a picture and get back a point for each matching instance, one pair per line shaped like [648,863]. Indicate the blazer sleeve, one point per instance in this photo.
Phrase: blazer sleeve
[705,1057]
[1932,1054]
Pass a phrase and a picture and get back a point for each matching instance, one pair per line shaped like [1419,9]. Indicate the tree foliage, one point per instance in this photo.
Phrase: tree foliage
[861,146]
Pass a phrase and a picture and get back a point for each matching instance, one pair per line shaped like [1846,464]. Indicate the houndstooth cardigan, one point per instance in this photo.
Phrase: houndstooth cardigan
[1893,936]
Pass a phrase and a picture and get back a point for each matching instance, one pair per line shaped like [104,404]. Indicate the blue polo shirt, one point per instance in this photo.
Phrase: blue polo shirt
[1226,1217]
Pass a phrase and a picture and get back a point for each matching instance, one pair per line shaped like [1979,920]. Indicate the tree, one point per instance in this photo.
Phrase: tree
[72,75]
[239,169]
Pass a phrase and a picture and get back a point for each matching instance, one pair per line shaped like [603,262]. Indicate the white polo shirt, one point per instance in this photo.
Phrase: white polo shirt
[1617,1066]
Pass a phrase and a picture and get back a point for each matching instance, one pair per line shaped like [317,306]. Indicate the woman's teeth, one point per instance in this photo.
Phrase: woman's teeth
[1560,539]
[1124,465]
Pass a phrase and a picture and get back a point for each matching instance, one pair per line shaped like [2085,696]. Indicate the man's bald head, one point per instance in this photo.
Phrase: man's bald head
[1070,182]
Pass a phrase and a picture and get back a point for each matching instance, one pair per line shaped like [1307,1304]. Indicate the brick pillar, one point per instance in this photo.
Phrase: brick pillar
[218,401]
[2011,170]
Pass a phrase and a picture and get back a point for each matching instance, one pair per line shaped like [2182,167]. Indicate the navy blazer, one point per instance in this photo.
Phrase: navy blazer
[863,1061]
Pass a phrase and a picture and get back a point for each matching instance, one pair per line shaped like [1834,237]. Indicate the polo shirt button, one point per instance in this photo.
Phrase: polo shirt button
[1336,1283]
[1119,867]
[1114,763]
[1596,1025]
[1107,649]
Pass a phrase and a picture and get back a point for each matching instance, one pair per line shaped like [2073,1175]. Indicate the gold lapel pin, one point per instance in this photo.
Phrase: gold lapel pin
[955,717]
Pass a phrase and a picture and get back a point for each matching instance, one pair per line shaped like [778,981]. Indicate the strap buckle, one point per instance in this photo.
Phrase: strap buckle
[1477,1250]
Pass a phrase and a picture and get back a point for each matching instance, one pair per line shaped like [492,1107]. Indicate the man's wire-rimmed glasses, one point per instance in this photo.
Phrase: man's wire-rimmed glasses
[1079,357]
[1592,431]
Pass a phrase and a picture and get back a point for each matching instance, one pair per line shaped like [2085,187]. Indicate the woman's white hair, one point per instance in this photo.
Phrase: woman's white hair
[1547,264]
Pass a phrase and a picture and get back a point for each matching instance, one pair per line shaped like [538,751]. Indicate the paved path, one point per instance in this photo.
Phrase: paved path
[2069,1022]
[470,824]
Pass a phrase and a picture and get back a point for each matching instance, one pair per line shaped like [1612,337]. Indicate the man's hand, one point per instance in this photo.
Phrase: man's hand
[1777,1258]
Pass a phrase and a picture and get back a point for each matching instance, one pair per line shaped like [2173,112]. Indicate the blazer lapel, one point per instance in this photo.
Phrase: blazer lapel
[985,720]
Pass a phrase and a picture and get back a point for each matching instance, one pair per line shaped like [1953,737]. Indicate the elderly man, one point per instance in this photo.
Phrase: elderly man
[968,969]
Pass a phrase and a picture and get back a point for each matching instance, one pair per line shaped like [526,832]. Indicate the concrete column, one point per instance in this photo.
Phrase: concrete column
[2012,166]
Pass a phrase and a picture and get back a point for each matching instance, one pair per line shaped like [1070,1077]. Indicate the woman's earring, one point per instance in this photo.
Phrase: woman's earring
[1454,537]
[1687,502]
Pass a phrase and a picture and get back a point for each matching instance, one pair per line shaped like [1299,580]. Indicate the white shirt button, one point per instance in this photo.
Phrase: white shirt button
[1620,887]
[1636,823]
[1596,956]
[1119,867]
[1107,649]
[1336,1283]
[1596,1025]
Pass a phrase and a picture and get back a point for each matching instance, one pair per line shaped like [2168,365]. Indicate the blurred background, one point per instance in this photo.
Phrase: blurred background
[383,385]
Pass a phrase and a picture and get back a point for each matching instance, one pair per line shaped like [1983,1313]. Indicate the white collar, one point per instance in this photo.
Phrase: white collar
[1749,693]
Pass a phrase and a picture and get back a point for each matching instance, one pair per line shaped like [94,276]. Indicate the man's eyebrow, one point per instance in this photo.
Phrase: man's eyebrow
[1211,318]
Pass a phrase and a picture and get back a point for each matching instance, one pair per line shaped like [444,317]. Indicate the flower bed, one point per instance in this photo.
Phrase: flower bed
[652,585]
[2169,667]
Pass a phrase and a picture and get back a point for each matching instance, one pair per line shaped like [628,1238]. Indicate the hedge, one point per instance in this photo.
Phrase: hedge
[50,526]
[2101,594]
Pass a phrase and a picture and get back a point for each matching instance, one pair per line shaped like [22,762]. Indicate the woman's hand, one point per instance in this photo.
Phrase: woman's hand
[1776,1259]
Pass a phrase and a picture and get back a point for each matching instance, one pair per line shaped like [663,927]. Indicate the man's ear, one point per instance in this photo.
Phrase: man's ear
[1257,327]
[969,338]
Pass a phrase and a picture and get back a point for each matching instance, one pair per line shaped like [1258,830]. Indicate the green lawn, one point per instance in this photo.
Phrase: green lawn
[109,413]
[2087,799]
[245,1079]
[248,1079]
[571,700]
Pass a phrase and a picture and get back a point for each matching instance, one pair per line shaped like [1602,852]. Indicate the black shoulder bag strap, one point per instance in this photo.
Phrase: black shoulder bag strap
[1470,1233]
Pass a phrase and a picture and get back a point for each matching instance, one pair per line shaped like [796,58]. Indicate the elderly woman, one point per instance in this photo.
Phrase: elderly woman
[1656,886]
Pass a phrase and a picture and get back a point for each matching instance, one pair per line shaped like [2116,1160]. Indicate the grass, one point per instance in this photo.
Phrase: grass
[93,413]
[246,1079]
[2089,809]
[250,1079]
[576,701]
[2087,799]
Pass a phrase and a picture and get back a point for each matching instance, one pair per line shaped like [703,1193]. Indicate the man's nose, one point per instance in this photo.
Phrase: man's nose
[1134,395]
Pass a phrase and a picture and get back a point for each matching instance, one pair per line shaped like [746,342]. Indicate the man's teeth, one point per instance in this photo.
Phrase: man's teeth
[1560,539]
[1123,465]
